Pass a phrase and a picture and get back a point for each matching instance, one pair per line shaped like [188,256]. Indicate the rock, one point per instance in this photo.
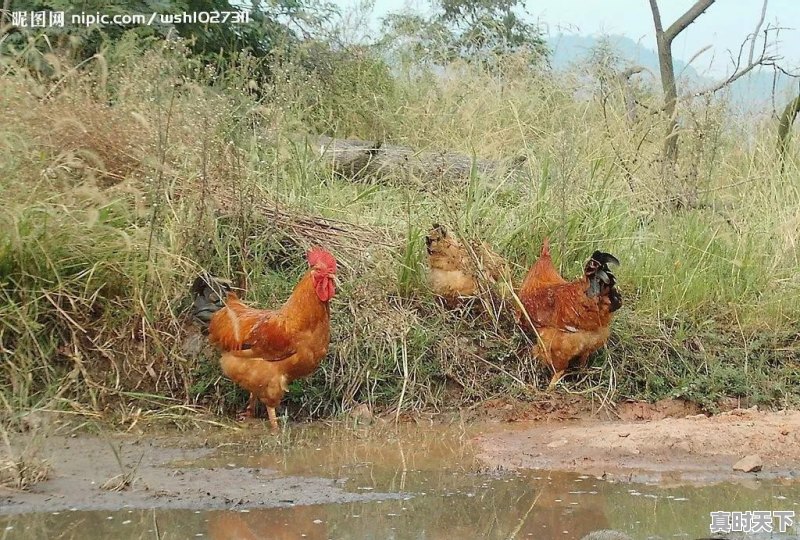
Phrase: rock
[557,443]
[686,446]
[751,463]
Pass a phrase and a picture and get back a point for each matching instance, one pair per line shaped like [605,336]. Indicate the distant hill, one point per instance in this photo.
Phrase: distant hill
[751,93]
[569,48]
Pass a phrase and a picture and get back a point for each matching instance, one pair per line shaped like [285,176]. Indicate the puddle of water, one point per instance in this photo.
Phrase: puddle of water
[406,458]
[446,495]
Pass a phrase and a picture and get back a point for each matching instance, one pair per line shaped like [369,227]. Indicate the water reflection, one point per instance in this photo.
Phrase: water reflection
[446,495]
[472,506]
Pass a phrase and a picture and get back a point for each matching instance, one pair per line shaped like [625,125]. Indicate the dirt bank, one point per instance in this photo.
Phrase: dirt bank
[694,447]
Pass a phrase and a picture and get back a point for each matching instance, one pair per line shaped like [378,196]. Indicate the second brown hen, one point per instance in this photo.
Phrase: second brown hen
[571,319]
[454,272]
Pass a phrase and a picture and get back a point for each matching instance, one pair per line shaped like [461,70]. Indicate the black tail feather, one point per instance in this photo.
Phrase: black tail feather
[209,297]
[605,259]
[601,279]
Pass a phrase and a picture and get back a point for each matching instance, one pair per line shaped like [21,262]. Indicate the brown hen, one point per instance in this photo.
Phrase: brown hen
[453,272]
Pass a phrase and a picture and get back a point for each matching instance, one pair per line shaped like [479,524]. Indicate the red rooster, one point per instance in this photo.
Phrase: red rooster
[263,351]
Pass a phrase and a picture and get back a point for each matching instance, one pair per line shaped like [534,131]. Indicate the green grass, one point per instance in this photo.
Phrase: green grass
[129,179]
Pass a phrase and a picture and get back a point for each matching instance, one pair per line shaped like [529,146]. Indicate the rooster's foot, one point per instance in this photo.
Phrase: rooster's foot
[249,411]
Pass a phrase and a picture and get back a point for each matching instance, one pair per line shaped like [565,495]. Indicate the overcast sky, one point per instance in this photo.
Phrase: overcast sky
[723,26]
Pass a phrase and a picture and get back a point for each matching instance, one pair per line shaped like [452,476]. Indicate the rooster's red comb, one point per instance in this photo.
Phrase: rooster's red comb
[319,257]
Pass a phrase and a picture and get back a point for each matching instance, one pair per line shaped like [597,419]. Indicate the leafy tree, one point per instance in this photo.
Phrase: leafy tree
[474,31]
[273,27]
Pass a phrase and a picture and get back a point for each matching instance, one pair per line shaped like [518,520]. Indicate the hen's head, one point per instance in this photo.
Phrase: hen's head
[436,239]
[323,266]
[545,248]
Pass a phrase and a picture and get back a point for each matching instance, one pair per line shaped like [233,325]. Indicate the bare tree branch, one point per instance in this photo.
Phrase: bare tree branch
[631,71]
[693,58]
[656,17]
[791,74]
[757,31]
[722,84]
[623,79]
[686,19]
[763,59]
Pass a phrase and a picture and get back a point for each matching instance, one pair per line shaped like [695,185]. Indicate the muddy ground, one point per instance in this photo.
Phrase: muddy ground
[135,472]
[653,444]
[665,442]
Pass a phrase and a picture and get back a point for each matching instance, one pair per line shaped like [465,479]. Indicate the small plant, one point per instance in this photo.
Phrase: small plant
[126,478]
[21,467]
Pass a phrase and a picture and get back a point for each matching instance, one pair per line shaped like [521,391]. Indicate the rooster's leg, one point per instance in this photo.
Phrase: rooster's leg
[273,418]
[583,361]
[554,381]
[249,411]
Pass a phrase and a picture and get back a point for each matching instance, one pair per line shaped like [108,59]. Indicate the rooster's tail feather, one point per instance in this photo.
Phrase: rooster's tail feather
[545,248]
[601,279]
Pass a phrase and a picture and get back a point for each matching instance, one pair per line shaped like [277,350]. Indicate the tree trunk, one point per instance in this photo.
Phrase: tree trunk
[664,39]
[670,98]
[785,128]
[369,161]
[667,70]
